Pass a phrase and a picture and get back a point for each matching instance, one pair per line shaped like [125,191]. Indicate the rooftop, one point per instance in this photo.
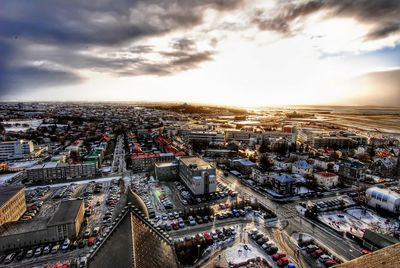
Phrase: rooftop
[7,192]
[66,212]
[195,162]
[326,174]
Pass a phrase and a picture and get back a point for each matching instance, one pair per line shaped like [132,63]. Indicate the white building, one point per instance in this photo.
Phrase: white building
[10,150]
[198,175]
[383,199]
[302,167]
[326,179]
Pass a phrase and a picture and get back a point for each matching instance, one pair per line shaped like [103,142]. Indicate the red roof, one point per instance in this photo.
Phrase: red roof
[145,155]
[326,174]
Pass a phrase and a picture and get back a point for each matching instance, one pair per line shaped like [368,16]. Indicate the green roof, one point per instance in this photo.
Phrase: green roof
[379,240]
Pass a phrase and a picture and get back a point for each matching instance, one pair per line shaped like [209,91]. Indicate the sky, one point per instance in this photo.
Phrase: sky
[230,52]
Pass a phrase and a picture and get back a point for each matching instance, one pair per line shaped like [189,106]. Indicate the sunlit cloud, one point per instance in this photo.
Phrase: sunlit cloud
[245,53]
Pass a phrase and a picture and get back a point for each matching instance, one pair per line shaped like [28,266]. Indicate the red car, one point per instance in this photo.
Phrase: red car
[278,255]
[282,262]
[329,263]
[91,241]
[365,252]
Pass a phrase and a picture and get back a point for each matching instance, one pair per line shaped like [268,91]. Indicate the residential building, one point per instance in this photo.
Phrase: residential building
[259,177]
[244,166]
[326,179]
[12,203]
[302,167]
[352,170]
[145,161]
[198,175]
[10,150]
[322,162]
[380,198]
[283,184]
[166,171]
[52,171]
[384,166]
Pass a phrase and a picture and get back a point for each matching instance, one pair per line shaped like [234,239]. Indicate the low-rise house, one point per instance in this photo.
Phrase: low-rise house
[322,162]
[244,166]
[352,170]
[326,179]
[302,167]
[384,166]
[259,177]
[283,184]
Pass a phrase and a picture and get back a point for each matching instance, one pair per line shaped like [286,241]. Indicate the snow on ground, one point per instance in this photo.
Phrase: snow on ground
[237,253]
[76,182]
[371,218]
[344,222]
[6,177]
[303,190]
[301,210]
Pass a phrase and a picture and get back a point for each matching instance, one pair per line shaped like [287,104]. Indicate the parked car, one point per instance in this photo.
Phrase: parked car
[278,255]
[38,251]
[323,258]
[47,249]
[65,245]
[29,254]
[282,262]
[10,257]
[55,249]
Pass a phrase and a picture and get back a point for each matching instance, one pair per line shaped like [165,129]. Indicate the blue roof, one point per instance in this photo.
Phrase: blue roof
[302,164]
[246,162]
[284,178]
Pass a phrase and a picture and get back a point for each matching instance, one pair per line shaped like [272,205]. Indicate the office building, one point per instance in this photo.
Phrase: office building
[198,175]
[65,223]
[10,150]
[166,171]
[12,203]
[52,171]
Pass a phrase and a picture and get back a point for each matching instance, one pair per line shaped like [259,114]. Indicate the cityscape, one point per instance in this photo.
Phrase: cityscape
[200,134]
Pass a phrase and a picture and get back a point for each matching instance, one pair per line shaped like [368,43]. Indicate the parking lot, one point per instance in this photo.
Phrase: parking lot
[102,205]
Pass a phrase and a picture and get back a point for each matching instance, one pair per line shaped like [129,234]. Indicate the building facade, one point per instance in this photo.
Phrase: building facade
[10,150]
[167,171]
[326,179]
[12,203]
[52,171]
[283,184]
[198,175]
[65,223]
[146,161]
[379,198]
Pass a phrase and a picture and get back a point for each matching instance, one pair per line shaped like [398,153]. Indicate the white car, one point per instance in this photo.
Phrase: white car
[323,258]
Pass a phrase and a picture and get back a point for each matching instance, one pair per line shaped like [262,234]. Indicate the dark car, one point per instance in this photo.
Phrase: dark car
[20,255]
[271,250]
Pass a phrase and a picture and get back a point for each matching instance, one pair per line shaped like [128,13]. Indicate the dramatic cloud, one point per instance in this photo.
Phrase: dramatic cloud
[382,15]
[213,47]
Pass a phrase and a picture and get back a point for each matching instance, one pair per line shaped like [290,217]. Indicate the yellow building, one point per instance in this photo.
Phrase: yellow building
[12,203]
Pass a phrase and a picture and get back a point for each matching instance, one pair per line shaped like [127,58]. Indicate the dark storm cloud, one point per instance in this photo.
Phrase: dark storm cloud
[70,30]
[383,15]
[30,77]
